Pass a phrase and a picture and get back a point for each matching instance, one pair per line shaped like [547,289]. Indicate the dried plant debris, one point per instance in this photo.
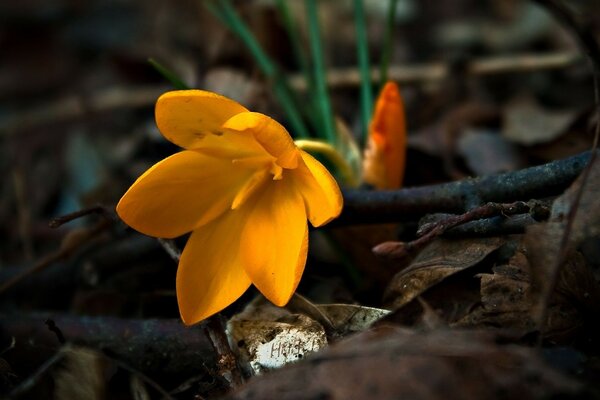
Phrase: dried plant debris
[527,123]
[268,337]
[83,375]
[493,290]
[553,255]
[436,262]
[506,301]
[393,363]
[486,152]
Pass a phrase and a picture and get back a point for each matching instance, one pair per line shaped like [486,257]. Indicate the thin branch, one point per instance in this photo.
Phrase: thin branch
[398,250]
[78,105]
[162,347]
[369,206]
[71,243]
[495,226]
[171,248]
[104,211]
[227,363]
[33,379]
[435,72]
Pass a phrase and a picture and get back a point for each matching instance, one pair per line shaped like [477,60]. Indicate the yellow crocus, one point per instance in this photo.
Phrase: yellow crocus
[243,189]
[385,154]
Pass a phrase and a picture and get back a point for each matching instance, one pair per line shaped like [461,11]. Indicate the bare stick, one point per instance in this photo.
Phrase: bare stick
[397,250]
[99,209]
[155,346]
[78,105]
[409,204]
[169,246]
[70,244]
[33,379]
[227,364]
[349,77]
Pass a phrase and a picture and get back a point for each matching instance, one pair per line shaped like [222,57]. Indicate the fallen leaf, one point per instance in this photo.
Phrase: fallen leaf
[527,123]
[436,262]
[83,375]
[546,245]
[402,364]
[268,337]
[487,153]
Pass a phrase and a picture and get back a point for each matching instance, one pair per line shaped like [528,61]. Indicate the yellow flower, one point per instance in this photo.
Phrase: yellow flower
[385,155]
[243,189]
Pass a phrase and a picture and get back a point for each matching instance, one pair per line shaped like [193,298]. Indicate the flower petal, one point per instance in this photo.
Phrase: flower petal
[187,117]
[181,193]
[320,191]
[210,275]
[269,133]
[275,241]
[385,155]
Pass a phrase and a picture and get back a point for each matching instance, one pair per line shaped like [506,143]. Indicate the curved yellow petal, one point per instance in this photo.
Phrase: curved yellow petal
[274,138]
[181,193]
[210,275]
[275,241]
[187,117]
[320,191]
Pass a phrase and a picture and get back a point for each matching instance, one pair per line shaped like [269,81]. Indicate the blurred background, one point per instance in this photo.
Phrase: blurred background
[488,86]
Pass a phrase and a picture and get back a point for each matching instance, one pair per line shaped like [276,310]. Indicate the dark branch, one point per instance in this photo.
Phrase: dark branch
[369,206]
[428,232]
[157,347]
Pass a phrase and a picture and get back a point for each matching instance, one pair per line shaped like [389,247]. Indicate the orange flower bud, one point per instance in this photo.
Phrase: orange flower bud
[385,153]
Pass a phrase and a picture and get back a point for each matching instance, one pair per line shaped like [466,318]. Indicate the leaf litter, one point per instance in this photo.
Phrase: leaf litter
[456,319]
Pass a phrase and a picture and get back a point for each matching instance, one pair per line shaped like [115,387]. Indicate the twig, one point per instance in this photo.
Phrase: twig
[369,206]
[397,250]
[161,347]
[338,78]
[23,214]
[104,211]
[71,243]
[33,379]
[171,249]
[494,226]
[227,364]
[146,379]
[589,44]
[53,328]
[78,105]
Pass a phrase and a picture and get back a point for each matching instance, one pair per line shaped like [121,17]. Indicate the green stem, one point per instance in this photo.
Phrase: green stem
[319,72]
[301,59]
[333,156]
[366,94]
[292,31]
[228,15]
[168,75]
[387,43]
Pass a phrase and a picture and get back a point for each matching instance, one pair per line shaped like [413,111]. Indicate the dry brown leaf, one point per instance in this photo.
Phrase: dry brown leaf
[527,123]
[402,364]
[436,262]
[486,152]
[506,302]
[269,337]
[544,242]
[83,375]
